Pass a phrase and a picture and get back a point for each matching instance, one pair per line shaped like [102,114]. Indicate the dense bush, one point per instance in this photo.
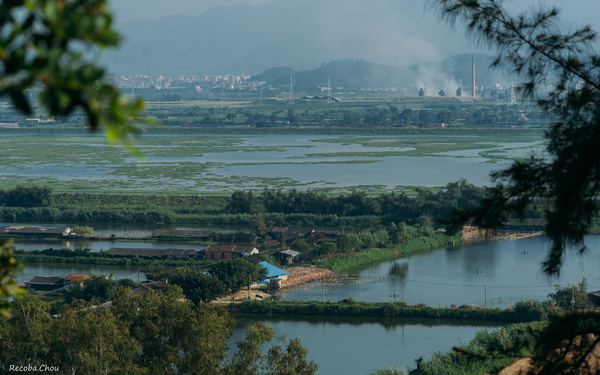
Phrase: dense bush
[26,196]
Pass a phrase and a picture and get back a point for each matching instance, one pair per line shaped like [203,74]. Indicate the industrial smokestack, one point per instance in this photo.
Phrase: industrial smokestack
[473,85]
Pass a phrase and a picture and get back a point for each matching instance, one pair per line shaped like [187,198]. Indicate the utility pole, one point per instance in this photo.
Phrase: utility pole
[573,298]
[485,296]
[328,90]
[291,89]
[513,98]
[402,290]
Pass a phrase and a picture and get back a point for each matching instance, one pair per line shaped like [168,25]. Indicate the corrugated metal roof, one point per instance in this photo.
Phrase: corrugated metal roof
[273,271]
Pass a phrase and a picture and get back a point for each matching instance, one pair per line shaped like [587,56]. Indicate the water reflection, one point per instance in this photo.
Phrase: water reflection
[399,270]
[493,274]
[344,345]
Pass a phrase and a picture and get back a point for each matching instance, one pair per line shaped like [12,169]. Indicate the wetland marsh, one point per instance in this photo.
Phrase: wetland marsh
[214,164]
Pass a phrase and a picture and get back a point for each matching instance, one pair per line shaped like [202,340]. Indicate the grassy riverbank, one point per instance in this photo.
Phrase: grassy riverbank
[349,307]
[347,262]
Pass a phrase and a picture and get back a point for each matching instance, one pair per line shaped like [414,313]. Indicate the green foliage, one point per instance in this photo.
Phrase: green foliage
[157,333]
[197,286]
[388,371]
[398,233]
[347,242]
[47,43]
[98,289]
[473,358]
[343,263]
[26,196]
[240,203]
[237,273]
[532,310]
[8,285]
[81,230]
[260,226]
[328,247]
[546,54]
[300,245]
[578,293]
[250,359]
[349,307]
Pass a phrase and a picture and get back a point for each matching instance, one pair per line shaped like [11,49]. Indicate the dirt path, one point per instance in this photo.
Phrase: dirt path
[303,275]
[297,276]
[470,233]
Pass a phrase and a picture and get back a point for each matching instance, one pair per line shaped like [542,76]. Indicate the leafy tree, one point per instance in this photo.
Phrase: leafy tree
[98,289]
[328,247]
[458,91]
[26,196]
[127,283]
[175,336]
[25,333]
[292,116]
[81,230]
[566,183]
[398,233]
[260,227]
[579,293]
[91,341]
[250,358]
[347,242]
[47,44]
[197,286]
[240,202]
[421,92]
[300,245]
[236,273]
[442,92]
[8,285]
[407,116]
[535,46]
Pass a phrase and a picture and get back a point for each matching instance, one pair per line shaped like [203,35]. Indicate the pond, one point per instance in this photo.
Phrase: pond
[342,346]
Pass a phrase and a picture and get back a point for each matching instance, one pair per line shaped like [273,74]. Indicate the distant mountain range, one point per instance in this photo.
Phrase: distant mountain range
[300,34]
[448,74]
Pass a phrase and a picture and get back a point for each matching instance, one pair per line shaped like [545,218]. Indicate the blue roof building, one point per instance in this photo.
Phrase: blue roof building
[274,272]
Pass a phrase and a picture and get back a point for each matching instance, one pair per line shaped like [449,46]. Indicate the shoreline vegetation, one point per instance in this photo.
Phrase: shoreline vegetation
[351,308]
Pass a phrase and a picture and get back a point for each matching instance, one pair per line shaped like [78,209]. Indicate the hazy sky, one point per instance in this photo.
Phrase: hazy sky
[579,11]
[406,34]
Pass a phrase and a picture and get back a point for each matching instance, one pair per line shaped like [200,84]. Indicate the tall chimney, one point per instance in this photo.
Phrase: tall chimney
[473,86]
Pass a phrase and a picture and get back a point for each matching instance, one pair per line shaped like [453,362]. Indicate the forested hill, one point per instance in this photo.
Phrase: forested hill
[356,74]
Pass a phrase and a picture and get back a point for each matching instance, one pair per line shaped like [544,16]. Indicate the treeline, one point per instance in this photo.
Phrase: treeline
[156,333]
[26,196]
[86,256]
[524,311]
[389,207]
[290,208]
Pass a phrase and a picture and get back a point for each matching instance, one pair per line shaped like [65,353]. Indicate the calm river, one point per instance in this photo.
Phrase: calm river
[493,274]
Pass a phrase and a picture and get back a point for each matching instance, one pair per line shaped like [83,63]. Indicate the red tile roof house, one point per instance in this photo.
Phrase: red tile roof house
[227,252]
[75,279]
